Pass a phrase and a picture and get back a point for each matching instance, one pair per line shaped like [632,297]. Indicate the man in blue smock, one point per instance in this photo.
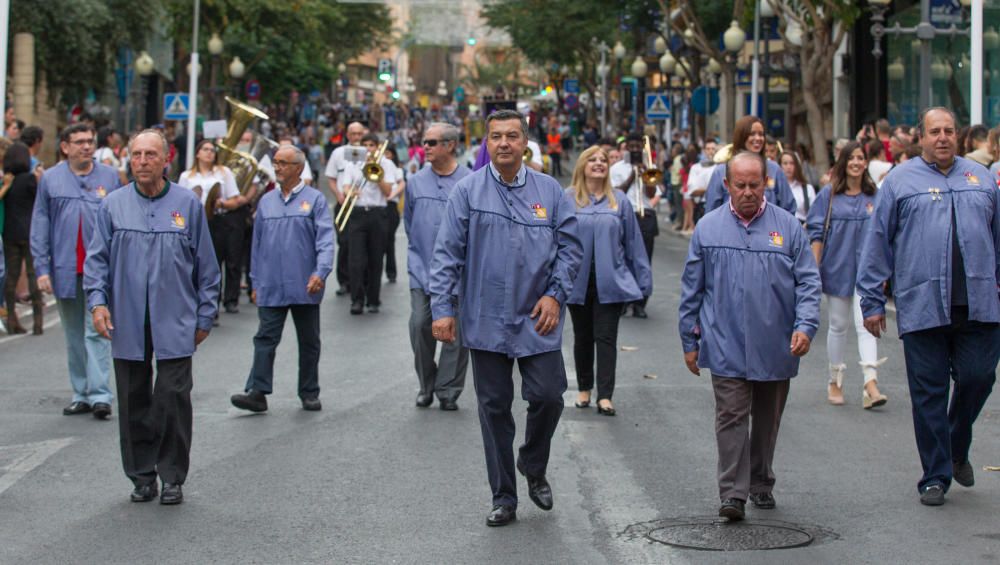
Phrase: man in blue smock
[778,192]
[936,232]
[506,255]
[292,254]
[427,195]
[61,226]
[749,309]
[160,311]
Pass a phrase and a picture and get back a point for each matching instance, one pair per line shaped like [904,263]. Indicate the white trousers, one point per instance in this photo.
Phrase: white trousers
[841,308]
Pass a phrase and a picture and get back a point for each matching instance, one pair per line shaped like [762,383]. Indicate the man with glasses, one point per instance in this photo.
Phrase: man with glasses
[61,225]
[427,195]
[292,254]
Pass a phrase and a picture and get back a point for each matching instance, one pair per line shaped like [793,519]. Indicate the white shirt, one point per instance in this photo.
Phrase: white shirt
[878,170]
[370,195]
[619,174]
[536,152]
[339,158]
[698,177]
[203,182]
[107,154]
[800,198]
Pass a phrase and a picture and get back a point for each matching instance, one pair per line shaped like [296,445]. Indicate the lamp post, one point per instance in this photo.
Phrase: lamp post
[602,73]
[237,70]
[639,69]
[145,67]
[215,47]
[733,40]
[193,88]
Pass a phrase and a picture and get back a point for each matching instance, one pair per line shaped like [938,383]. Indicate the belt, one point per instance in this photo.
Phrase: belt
[368,208]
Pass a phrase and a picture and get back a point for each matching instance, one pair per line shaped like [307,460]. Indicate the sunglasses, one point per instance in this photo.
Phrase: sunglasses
[433,142]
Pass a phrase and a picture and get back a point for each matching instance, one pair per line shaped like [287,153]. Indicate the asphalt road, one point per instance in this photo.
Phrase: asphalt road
[372,479]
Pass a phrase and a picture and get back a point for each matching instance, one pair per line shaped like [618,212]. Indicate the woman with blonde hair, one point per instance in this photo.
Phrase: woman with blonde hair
[614,271]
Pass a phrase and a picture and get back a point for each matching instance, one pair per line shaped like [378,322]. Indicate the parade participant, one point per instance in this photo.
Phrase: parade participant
[392,214]
[18,197]
[424,206]
[836,225]
[367,227]
[335,167]
[750,302]
[936,233]
[804,193]
[697,183]
[614,271]
[163,310]
[61,225]
[227,230]
[748,135]
[292,256]
[624,178]
[506,256]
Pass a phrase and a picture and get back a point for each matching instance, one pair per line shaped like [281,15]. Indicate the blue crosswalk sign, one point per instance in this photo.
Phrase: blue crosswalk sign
[657,106]
[175,106]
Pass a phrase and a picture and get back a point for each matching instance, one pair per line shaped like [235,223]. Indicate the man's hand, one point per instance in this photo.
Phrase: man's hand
[253,297]
[199,336]
[800,344]
[875,324]
[444,329]
[691,360]
[45,284]
[547,312]
[341,195]
[102,320]
[314,285]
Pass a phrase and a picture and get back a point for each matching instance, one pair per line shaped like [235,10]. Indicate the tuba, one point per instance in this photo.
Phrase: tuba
[244,165]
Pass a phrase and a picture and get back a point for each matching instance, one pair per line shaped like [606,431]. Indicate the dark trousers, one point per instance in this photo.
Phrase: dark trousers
[747,418]
[543,382]
[367,242]
[556,159]
[154,417]
[446,378]
[14,253]
[965,352]
[272,322]
[227,237]
[392,224]
[595,325]
[343,265]
[649,228]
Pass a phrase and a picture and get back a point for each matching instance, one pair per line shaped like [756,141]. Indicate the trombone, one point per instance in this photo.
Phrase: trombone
[650,175]
[372,171]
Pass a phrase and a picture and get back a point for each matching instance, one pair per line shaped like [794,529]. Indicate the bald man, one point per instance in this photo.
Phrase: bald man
[353,152]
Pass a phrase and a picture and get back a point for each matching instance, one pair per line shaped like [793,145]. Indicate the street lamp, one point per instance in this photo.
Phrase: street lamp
[660,45]
[734,38]
[236,68]
[639,69]
[618,50]
[602,72]
[668,64]
[896,70]
[145,66]
[442,89]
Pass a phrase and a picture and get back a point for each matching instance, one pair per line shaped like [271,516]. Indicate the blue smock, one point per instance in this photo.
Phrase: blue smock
[499,250]
[745,290]
[3,265]
[423,209]
[292,241]
[613,243]
[64,200]
[152,259]
[910,240]
[778,191]
[838,265]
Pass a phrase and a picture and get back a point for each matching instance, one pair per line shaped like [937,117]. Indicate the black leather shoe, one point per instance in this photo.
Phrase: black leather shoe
[639,311]
[501,515]
[733,509]
[424,400]
[342,291]
[963,474]
[373,308]
[357,308]
[539,490]
[448,404]
[75,408]
[932,496]
[144,493]
[172,494]
[102,410]
[232,309]
[253,401]
[763,500]
[312,404]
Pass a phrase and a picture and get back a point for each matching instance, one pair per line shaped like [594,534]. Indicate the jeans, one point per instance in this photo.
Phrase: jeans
[87,353]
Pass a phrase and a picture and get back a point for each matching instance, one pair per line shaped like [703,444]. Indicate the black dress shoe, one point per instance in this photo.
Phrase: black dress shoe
[763,500]
[373,308]
[102,410]
[610,411]
[963,474]
[501,515]
[232,309]
[75,408]
[539,490]
[357,308]
[448,404]
[312,404]
[639,311]
[253,401]
[424,400]
[733,509]
[932,496]
[144,493]
[342,291]
[172,494]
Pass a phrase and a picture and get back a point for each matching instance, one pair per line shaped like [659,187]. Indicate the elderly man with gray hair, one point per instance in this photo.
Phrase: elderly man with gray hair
[426,199]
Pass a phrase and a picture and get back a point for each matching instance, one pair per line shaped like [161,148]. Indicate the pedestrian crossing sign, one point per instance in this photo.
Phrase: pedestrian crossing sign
[657,106]
[175,106]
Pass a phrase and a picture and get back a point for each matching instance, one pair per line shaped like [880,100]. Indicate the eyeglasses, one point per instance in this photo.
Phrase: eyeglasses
[280,163]
[433,142]
[82,142]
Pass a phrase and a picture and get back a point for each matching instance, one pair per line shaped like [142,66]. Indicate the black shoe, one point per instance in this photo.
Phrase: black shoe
[342,291]
[963,474]
[424,400]
[539,490]
[392,280]
[639,311]
[605,411]
[75,408]
[312,404]
[253,401]
[733,509]
[357,308]
[373,308]
[501,515]
[762,500]
[102,410]
[448,404]
[932,496]
[232,309]
[172,494]
[144,493]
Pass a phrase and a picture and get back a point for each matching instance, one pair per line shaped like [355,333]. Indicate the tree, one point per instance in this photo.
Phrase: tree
[490,69]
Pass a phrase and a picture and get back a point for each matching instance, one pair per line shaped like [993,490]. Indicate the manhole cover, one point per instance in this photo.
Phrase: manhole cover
[719,535]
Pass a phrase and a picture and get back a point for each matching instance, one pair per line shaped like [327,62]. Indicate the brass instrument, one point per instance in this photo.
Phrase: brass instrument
[639,208]
[212,200]
[527,155]
[723,154]
[372,169]
[372,172]
[651,176]
[244,165]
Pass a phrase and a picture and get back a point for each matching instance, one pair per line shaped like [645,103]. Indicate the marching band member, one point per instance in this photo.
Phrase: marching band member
[748,135]
[352,152]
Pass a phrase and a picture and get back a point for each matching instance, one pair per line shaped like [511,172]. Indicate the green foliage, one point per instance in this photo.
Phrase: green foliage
[490,69]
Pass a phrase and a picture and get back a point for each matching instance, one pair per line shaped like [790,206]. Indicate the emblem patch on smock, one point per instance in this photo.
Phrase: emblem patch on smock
[305,206]
[101,191]
[540,212]
[177,219]
[870,208]
[770,182]
[776,240]
[971,178]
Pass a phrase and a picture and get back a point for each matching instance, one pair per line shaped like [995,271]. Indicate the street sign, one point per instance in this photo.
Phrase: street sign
[571,101]
[705,100]
[571,86]
[657,106]
[253,89]
[175,106]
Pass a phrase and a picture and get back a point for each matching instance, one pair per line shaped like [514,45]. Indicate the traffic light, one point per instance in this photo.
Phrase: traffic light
[471,41]
[395,95]
[384,70]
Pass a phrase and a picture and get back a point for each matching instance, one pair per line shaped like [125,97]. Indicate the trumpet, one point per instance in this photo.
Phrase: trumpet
[527,155]
[651,175]
[372,171]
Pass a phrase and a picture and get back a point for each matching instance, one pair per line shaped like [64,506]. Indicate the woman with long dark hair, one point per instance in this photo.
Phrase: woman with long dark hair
[836,226]
[803,192]
[18,194]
